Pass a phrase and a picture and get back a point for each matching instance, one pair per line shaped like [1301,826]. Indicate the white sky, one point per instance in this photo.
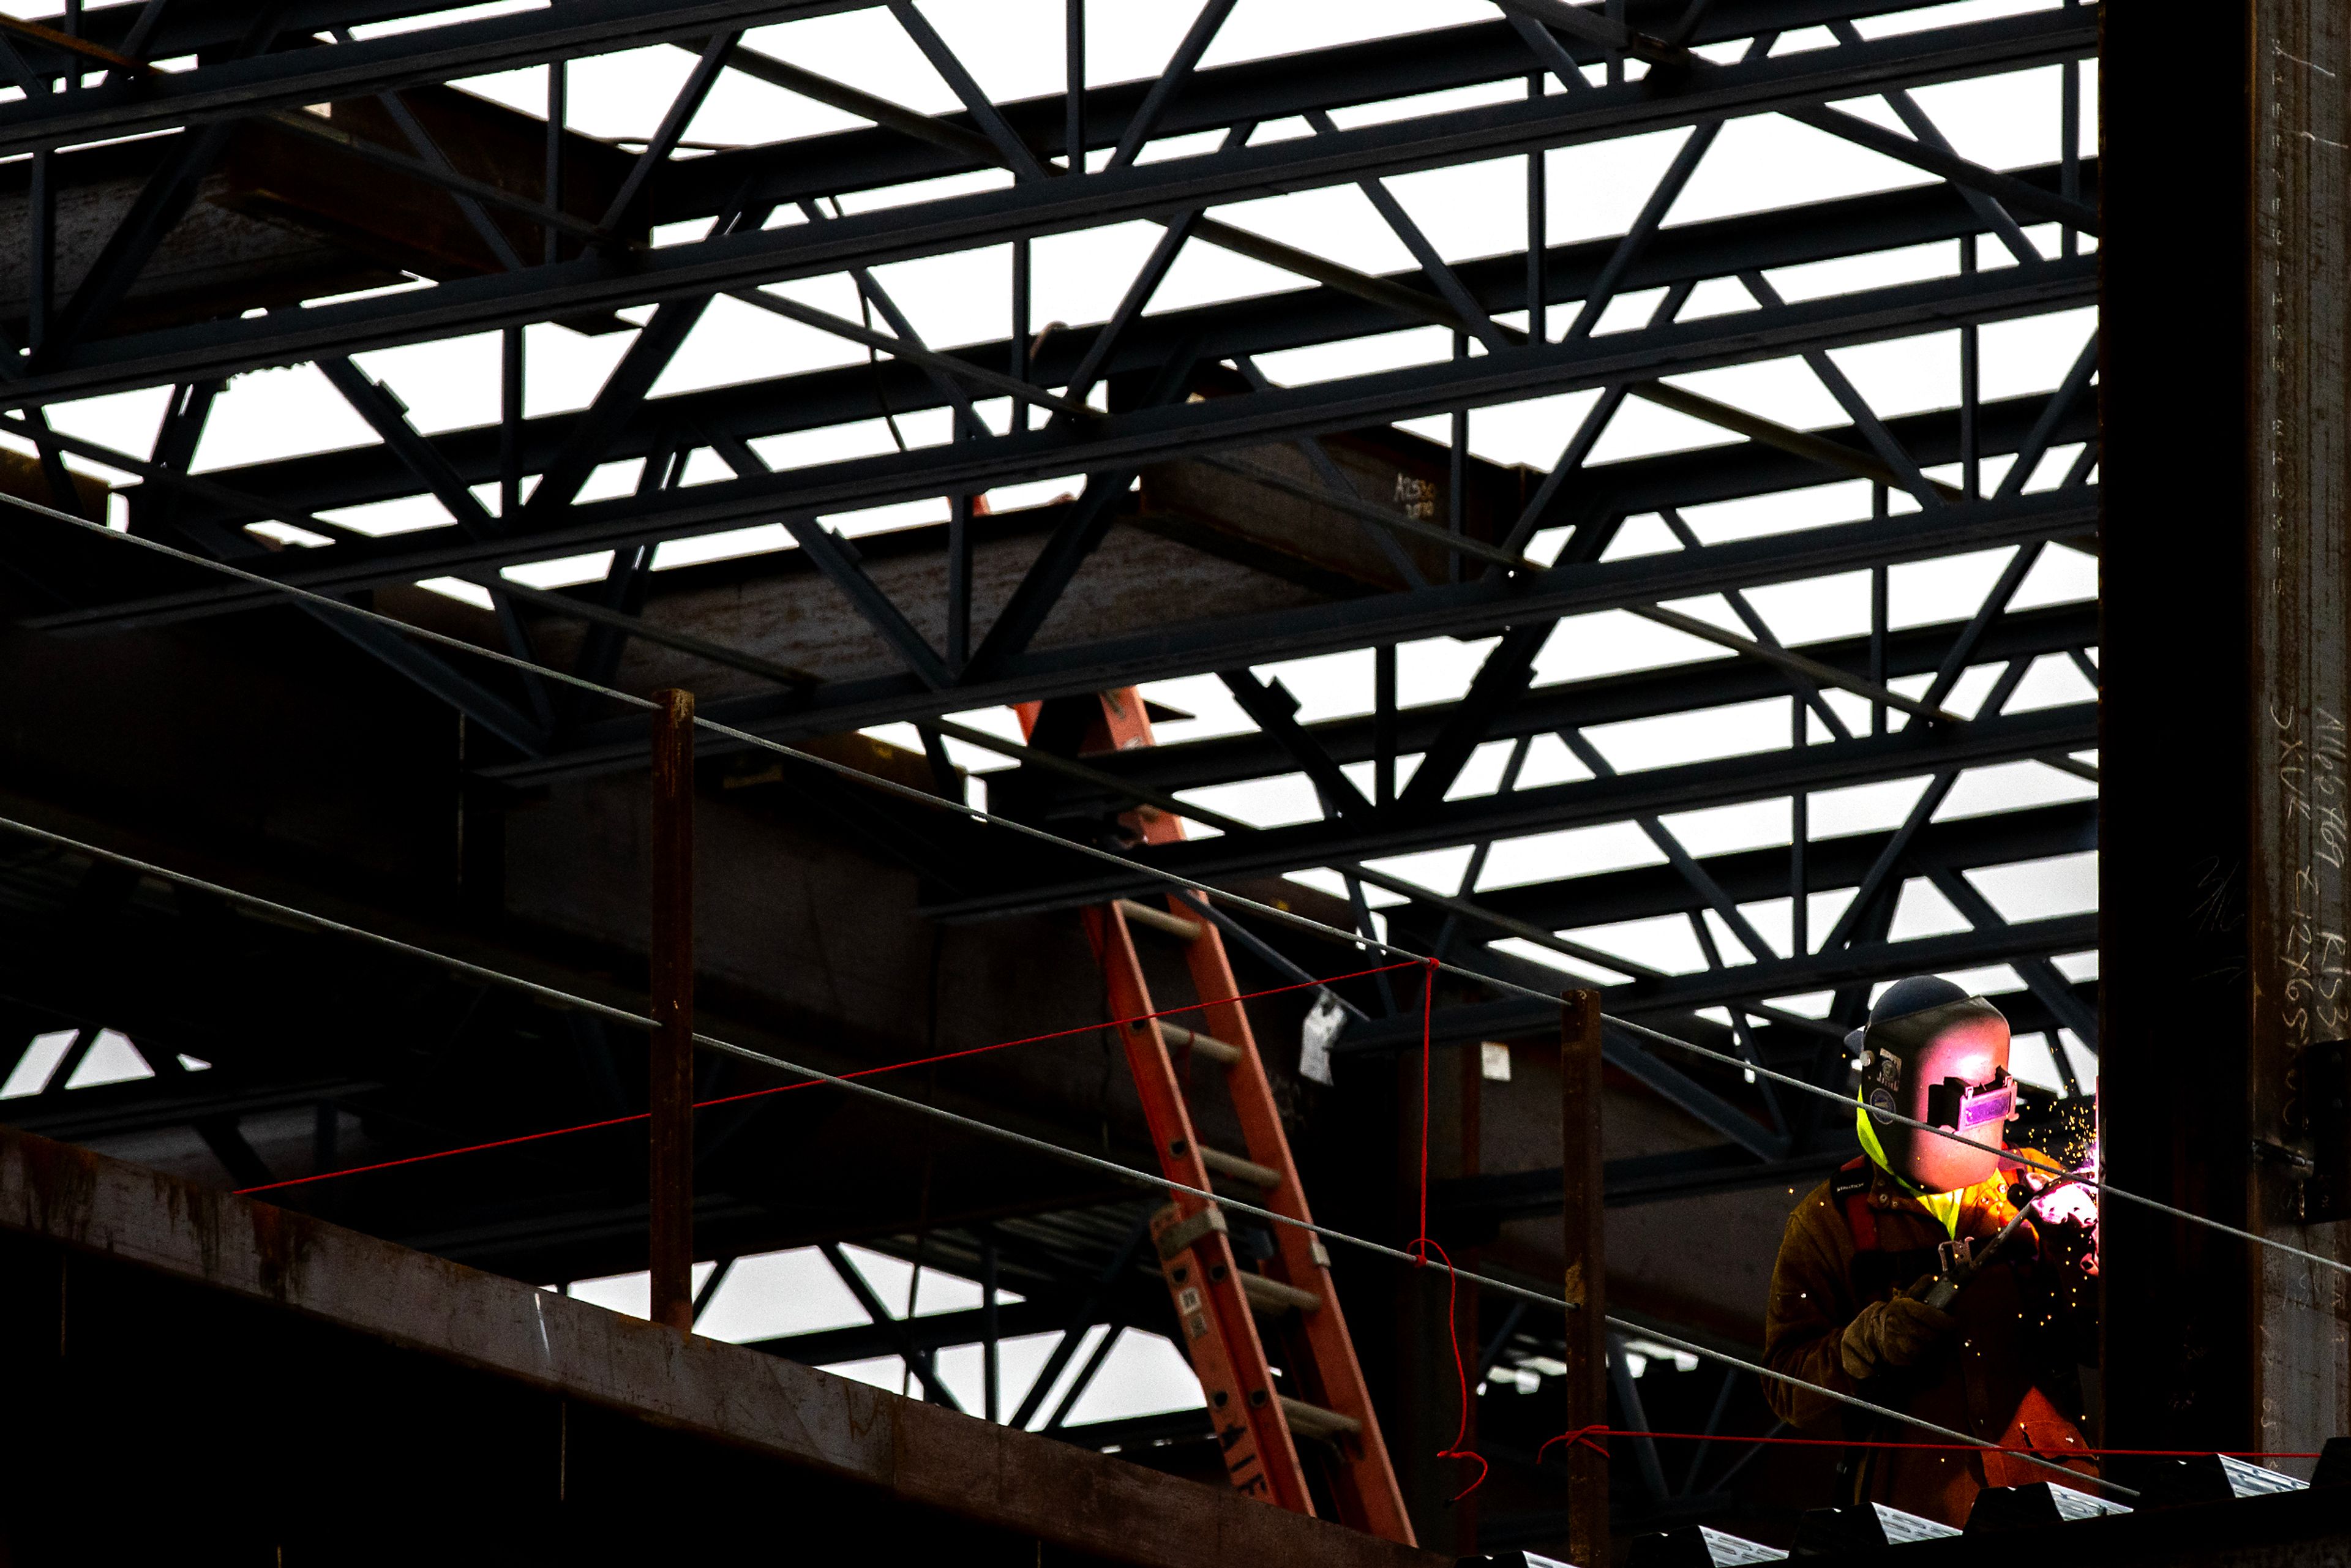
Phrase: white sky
[1014,47]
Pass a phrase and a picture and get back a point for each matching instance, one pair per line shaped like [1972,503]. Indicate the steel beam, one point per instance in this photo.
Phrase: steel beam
[1785,237]
[1581,704]
[519,1345]
[1458,609]
[1770,977]
[2183,1330]
[231,89]
[1686,786]
[1605,898]
[598,283]
[1159,433]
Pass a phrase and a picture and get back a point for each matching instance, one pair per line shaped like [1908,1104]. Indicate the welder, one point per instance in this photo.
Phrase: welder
[1882,1288]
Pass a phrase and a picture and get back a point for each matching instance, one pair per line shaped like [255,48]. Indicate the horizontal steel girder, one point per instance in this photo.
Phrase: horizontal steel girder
[2000,838]
[1721,247]
[1694,786]
[599,282]
[1380,70]
[1462,610]
[1146,435]
[127,105]
[1858,965]
[1604,700]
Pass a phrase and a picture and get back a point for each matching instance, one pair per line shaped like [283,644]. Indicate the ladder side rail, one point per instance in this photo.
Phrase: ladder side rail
[1376,1501]
[1220,1337]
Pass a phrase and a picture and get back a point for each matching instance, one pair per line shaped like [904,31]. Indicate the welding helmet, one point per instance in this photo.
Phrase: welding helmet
[1935,1054]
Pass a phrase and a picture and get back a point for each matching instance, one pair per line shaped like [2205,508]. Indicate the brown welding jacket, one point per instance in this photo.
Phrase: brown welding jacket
[2009,1374]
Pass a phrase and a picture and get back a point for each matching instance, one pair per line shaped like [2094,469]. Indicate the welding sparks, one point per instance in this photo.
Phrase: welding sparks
[2071,1202]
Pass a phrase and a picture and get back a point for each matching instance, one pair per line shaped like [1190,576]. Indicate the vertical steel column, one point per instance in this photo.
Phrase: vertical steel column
[1586,1274]
[40,252]
[1800,832]
[2069,161]
[2176,719]
[1470,1079]
[1022,288]
[1073,121]
[1970,388]
[670,1233]
[1881,609]
[2298,897]
[959,513]
[988,1332]
[1456,475]
[1538,233]
[1383,724]
[559,111]
[510,411]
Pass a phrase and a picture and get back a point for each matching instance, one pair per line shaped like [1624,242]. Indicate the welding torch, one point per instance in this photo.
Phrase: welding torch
[1962,1260]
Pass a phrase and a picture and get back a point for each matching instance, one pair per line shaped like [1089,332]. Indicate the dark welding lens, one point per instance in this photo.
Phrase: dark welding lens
[1994,1103]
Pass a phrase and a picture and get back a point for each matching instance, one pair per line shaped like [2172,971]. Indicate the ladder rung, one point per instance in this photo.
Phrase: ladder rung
[1250,1171]
[1314,1421]
[1273,1296]
[1178,1037]
[1175,925]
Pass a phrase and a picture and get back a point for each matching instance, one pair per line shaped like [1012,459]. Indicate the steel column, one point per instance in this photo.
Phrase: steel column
[2298,896]
[2176,715]
[1586,1275]
[671,1238]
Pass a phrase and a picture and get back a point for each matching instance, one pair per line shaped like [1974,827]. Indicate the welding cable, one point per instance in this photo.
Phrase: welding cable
[1109,857]
[1417,1258]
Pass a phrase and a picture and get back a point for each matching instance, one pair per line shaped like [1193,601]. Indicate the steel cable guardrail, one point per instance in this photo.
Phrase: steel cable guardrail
[1110,857]
[1126,1174]
[1283,916]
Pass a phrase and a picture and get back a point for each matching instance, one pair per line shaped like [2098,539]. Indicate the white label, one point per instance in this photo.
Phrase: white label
[1314,1045]
[1494,1061]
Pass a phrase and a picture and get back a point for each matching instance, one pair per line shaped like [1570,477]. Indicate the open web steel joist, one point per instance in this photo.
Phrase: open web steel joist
[1266,503]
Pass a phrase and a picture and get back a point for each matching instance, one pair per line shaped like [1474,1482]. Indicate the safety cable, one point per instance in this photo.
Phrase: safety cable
[1127,1174]
[544,1134]
[1109,857]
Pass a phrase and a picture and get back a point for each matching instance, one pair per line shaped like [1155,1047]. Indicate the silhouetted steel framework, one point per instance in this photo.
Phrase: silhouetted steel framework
[572,242]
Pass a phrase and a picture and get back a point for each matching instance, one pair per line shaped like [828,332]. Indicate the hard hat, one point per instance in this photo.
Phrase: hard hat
[1935,1054]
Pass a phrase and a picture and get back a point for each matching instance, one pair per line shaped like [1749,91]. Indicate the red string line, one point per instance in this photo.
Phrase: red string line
[1427,1002]
[861,1072]
[1460,1449]
[1422,1245]
[1586,1436]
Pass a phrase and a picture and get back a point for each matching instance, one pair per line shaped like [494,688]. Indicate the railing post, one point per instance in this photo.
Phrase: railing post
[1587,1277]
[670,1239]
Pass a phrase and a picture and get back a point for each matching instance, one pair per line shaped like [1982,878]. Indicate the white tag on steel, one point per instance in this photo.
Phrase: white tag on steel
[1315,1047]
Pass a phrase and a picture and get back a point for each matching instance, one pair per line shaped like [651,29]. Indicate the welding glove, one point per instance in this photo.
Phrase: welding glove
[1898,1333]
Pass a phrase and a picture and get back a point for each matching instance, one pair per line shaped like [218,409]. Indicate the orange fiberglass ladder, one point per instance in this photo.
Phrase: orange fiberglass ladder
[1230,1312]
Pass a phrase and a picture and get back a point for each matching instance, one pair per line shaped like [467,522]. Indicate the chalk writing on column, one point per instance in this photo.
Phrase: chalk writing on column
[2310,774]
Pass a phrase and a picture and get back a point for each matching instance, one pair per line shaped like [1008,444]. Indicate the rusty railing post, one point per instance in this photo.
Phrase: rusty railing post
[1587,1277]
[670,1234]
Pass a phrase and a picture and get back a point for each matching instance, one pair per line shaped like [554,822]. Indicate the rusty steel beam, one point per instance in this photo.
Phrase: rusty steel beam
[883,1451]
[670,1240]
[2225,906]
[1583,1186]
[2298,893]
